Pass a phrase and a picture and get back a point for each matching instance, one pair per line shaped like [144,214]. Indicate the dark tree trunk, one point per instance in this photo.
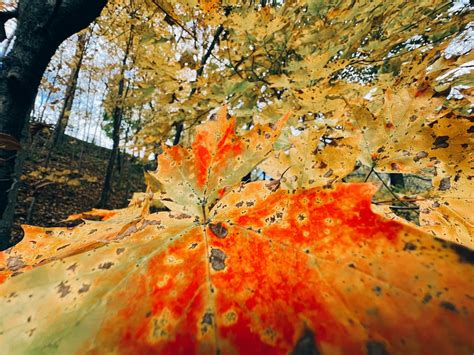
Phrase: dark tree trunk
[42,26]
[65,112]
[179,130]
[117,116]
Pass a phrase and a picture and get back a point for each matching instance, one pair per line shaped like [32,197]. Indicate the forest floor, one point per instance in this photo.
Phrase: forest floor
[71,183]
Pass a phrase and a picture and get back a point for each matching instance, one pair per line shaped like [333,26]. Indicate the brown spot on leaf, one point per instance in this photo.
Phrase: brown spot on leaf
[130,230]
[449,306]
[64,289]
[445,184]
[180,216]
[84,288]
[120,251]
[377,290]
[207,319]
[217,259]
[218,229]
[420,155]
[328,173]
[63,246]
[106,265]
[15,263]
[441,142]
[72,267]
[427,298]
[273,185]
[409,246]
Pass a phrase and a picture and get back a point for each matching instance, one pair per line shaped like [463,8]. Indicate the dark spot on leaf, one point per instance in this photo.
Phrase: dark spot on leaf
[328,173]
[441,142]
[445,184]
[375,348]
[15,263]
[217,259]
[273,185]
[180,216]
[63,246]
[64,289]
[306,344]
[72,267]
[194,245]
[377,290]
[352,266]
[84,288]
[409,246]
[218,229]
[106,265]
[120,251]
[449,306]
[420,155]
[470,129]
[427,298]
[130,230]
[207,319]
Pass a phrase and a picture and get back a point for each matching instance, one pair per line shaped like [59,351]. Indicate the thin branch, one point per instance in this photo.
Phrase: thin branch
[370,173]
[389,189]
[405,207]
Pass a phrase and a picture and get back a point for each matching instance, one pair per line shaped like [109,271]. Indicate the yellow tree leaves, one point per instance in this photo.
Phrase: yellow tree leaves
[240,268]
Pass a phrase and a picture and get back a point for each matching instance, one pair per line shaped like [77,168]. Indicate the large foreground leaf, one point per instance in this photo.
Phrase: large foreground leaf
[249,269]
[269,272]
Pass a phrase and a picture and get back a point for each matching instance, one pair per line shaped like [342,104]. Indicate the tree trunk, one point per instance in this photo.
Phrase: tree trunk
[71,86]
[117,115]
[42,26]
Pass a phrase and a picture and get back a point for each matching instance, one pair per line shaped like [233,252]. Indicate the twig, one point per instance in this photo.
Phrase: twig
[370,173]
[389,189]
[405,207]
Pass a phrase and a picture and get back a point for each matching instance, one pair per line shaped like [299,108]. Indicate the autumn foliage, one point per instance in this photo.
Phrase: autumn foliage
[237,268]
[300,261]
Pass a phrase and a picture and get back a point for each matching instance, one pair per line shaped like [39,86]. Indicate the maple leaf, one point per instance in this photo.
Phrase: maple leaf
[42,245]
[193,178]
[307,163]
[252,270]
